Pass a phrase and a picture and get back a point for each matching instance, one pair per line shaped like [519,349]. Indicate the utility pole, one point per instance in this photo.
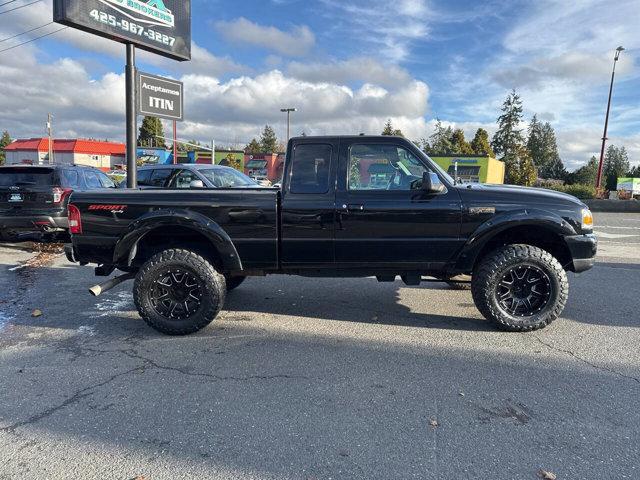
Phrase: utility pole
[288,112]
[50,156]
[606,120]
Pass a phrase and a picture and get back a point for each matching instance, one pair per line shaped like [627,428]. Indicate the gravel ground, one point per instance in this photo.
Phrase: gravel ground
[319,379]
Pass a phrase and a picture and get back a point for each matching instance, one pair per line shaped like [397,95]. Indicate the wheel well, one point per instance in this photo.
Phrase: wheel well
[186,238]
[540,237]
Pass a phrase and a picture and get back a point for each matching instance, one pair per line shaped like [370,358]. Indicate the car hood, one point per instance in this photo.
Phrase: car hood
[525,194]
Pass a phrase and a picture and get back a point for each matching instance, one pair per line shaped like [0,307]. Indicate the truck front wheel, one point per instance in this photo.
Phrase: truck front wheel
[520,288]
[178,292]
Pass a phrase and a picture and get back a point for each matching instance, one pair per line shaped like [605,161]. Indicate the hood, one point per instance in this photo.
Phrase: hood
[526,194]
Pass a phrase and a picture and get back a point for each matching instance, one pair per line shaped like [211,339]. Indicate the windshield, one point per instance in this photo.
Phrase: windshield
[227,178]
[439,169]
[18,176]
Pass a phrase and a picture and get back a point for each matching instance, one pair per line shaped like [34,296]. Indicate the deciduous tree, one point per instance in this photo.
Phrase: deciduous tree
[616,164]
[4,141]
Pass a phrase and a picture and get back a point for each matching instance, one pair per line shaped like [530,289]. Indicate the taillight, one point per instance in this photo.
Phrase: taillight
[75,221]
[59,194]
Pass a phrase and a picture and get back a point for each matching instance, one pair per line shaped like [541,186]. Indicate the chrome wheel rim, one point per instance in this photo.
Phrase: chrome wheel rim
[524,290]
[176,294]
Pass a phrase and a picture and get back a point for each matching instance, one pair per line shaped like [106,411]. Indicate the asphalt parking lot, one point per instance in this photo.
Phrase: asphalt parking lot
[320,379]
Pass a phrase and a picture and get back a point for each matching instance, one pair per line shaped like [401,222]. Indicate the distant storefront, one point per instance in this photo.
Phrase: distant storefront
[472,168]
[35,151]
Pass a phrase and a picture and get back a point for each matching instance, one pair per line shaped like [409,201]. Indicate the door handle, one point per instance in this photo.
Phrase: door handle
[353,207]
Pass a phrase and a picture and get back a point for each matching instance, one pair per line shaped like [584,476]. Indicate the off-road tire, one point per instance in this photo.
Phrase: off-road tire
[453,285]
[490,272]
[211,291]
[234,282]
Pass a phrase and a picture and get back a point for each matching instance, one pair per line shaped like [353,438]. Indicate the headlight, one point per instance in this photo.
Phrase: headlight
[587,219]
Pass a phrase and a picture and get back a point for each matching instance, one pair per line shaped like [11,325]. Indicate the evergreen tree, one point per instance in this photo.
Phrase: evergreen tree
[480,143]
[4,141]
[423,144]
[268,140]
[544,150]
[441,140]
[253,148]
[634,172]
[150,131]
[523,171]
[616,164]
[390,131]
[459,144]
[508,142]
[585,175]
[509,137]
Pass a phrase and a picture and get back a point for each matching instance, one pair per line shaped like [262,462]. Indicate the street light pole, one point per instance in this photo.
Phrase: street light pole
[288,112]
[606,120]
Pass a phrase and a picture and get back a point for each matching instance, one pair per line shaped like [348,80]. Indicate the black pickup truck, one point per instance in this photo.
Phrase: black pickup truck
[353,206]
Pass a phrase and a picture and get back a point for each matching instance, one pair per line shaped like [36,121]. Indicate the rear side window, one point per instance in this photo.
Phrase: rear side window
[144,177]
[105,181]
[21,176]
[70,178]
[159,177]
[310,168]
[93,182]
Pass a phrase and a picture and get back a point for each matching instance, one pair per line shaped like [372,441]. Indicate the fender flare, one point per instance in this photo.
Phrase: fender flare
[502,222]
[127,245]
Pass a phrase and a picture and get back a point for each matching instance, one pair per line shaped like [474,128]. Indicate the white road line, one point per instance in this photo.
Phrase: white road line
[613,235]
[619,228]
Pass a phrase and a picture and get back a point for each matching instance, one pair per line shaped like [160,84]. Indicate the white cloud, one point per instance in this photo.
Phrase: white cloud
[299,41]
[360,69]
[389,28]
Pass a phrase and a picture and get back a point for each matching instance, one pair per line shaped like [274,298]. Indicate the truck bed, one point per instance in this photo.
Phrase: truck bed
[248,216]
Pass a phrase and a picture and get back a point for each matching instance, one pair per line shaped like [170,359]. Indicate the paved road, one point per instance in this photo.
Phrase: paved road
[322,379]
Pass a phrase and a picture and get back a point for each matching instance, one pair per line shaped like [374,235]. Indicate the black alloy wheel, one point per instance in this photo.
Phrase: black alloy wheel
[176,294]
[524,290]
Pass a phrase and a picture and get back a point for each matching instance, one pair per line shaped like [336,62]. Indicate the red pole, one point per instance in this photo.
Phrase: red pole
[175,145]
[606,120]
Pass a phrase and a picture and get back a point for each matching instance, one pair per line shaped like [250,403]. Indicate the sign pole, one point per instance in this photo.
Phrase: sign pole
[175,139]
[130,93]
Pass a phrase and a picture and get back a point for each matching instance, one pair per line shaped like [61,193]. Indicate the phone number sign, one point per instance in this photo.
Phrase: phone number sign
[159,26]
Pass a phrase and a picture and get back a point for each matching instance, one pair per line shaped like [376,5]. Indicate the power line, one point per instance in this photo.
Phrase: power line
[7,3]
[18,8]
[33,39]
[28,31]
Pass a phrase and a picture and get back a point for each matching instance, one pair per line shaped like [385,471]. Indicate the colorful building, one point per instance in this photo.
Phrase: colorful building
[472,168]
[35,151]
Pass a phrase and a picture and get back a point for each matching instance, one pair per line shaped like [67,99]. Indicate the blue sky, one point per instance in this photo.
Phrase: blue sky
[348,66]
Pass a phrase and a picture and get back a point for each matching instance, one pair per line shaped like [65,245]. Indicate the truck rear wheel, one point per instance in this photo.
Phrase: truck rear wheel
[178,292]
[234,282]
[520,288]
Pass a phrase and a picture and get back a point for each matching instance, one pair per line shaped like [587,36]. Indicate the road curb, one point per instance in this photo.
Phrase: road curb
[614,206]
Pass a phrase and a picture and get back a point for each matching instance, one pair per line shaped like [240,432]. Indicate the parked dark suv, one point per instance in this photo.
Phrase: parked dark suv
[33,199]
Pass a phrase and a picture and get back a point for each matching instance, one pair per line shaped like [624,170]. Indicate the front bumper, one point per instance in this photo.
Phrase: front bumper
[583,250]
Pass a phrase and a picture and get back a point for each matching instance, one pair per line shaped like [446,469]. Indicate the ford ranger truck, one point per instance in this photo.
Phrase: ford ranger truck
[349,206]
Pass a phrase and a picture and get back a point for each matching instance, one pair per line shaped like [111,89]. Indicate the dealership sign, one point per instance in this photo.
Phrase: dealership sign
[159,26]
[159,97]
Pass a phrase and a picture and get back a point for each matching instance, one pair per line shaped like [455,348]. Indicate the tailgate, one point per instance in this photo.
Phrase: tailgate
[26,189]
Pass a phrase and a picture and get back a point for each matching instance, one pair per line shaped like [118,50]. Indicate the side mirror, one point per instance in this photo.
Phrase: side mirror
[196,184]
[431,183]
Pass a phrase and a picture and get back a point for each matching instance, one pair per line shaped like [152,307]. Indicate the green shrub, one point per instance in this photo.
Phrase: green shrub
[583,192]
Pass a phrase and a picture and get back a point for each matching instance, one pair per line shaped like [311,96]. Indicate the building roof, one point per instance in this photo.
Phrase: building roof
[91,147]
